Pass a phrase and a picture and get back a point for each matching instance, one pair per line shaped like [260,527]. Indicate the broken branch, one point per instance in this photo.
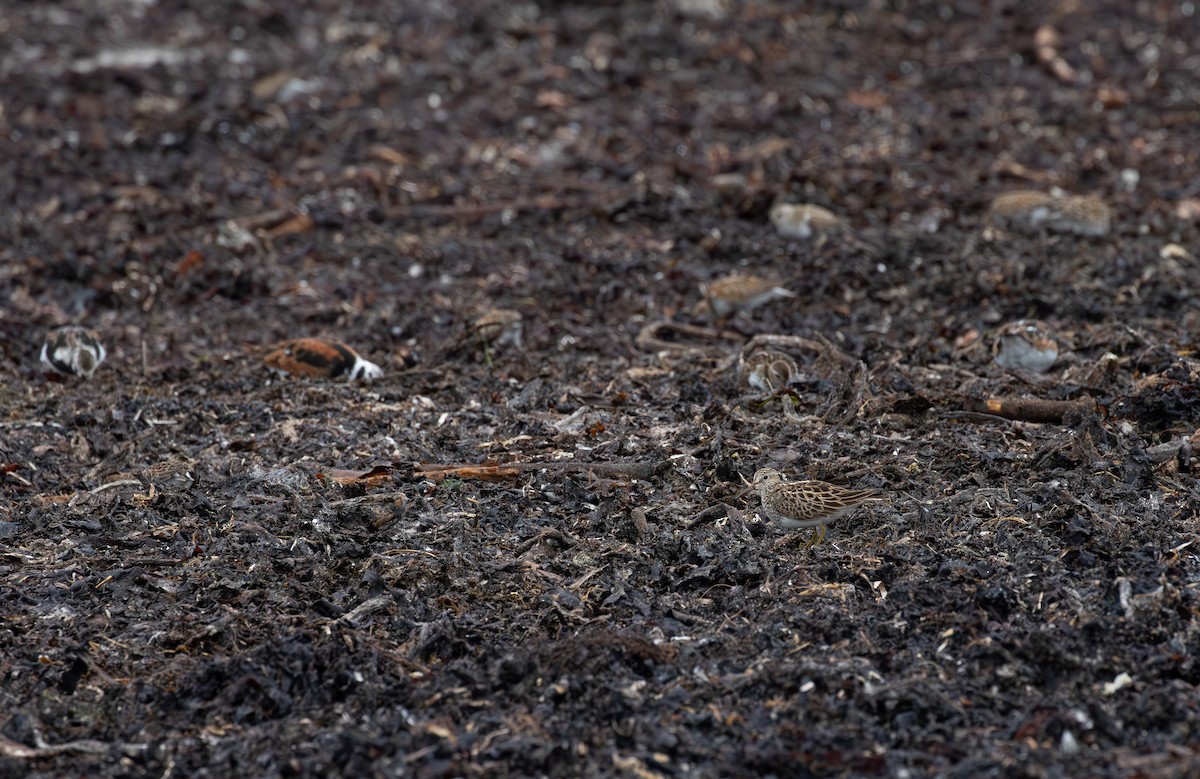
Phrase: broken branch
[1032,409]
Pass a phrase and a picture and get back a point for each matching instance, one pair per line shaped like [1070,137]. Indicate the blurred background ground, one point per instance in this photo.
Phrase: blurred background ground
[198,182]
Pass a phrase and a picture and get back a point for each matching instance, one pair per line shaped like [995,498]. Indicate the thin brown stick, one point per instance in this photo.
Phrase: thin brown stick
[715,511]
[18,751]
[481,472]
[649,338]
[1032,409]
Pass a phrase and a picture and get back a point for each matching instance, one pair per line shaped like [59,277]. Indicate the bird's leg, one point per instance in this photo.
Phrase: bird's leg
[789,411]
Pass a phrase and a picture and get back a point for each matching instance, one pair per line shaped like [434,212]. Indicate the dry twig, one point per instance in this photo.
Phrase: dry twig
[650,339]
[1032,409]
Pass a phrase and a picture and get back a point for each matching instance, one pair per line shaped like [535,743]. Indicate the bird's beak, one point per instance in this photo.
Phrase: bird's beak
[745,489]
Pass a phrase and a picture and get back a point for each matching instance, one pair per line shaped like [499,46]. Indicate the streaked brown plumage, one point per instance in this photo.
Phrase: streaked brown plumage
[767,370]
[800,504]
[739,292]
[1082,215]
[173,472]
[499,326]
[808,222]
[1021,209]
[804,221]
[1032,211]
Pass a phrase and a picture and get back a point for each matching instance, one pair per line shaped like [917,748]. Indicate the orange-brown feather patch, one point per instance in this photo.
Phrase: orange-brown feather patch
[312,357]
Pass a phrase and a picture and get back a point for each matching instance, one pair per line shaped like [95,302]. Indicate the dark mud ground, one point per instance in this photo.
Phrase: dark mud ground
[200,182]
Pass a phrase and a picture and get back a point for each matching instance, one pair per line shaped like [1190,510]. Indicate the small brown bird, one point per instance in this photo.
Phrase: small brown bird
[1025,346]
[1030,211]
[1082,215]
[1023,209]
[499,326]
[767,370]
[173,473]
[726,296]
[801,504]
[804,221]
[73,350]
[323,359]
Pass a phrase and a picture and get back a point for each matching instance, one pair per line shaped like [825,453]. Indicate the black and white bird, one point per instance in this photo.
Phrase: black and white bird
[73,350]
